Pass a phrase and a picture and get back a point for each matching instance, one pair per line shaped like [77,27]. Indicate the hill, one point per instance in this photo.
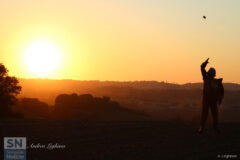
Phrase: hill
[47,90]
[158,100]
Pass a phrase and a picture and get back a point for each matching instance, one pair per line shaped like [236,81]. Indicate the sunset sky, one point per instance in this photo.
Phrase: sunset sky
[121,40]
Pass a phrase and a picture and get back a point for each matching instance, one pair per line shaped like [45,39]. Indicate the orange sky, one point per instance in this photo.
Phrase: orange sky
[125,40]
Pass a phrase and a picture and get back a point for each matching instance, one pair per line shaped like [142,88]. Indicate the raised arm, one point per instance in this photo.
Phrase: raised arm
[203,70]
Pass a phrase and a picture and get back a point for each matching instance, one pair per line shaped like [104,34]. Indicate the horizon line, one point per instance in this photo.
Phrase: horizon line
[122,81]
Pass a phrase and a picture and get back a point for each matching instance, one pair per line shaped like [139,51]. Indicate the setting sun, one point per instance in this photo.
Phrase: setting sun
[42,58]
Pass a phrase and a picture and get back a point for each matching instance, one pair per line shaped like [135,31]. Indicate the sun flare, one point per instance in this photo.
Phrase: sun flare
[42,58]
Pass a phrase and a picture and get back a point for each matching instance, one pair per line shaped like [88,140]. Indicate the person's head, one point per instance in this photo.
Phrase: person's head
[212,72]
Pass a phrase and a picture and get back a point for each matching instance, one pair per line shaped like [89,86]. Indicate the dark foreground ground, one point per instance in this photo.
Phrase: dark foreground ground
[123,140]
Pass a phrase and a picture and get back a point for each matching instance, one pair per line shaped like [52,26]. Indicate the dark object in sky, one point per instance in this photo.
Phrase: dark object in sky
[204,17]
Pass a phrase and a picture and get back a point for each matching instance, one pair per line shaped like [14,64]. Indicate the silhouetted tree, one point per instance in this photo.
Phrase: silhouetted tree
[87,107]
[32,108]
[9,89]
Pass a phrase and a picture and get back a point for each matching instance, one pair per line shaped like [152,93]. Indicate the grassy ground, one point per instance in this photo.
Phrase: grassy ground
[123,140]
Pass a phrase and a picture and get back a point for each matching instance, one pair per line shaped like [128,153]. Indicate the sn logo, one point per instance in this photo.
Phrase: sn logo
[14,142]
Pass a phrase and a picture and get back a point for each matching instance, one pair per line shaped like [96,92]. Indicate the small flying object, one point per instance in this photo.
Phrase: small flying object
[204,17]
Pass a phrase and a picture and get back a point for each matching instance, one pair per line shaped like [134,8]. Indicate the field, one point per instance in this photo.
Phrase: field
[123,140]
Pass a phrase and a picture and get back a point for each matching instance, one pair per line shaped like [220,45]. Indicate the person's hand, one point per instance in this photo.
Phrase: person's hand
[206,62]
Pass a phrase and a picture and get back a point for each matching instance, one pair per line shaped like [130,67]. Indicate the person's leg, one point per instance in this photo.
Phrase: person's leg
[214,110]
[205,107]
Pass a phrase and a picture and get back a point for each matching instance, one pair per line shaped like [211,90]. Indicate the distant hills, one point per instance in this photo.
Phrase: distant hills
[159,100]
[47,90]
[134,84]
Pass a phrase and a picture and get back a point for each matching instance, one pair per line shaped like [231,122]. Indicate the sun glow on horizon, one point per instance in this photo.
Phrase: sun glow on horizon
[42,58]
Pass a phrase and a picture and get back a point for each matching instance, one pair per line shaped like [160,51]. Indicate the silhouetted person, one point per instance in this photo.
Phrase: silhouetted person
[213,93]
